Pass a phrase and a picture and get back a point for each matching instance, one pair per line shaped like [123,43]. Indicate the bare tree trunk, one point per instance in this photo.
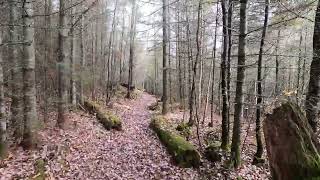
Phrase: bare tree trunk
[214,52]
[277,88]
[164,60]
[73,46]
[299,70]
[225,106]
[132,48]
[312,100]
[236,136]
[29,83]
[82,61]
[194,68]
[259,151]
[16,93]
[48,51]
[62,59]
[3,121]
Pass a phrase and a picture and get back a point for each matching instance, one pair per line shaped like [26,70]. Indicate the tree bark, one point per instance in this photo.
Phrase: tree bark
[312,99]
[132,48]
[259,152]
[29,83]
[164,58]
[3,121]
[225,106]
[292,147]
[62,59]
[236,136]
[16,91]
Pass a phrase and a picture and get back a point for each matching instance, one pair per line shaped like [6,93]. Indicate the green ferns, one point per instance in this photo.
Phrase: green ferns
[183,152]
[106,118]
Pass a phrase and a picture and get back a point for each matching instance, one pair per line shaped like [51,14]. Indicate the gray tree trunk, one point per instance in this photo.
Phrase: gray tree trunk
[164,58]
[62,59]
[3,121]
[16,92]
[236,136]
[29,83]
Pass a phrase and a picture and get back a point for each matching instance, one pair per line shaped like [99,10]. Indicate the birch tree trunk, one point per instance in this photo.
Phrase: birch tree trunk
[29,83]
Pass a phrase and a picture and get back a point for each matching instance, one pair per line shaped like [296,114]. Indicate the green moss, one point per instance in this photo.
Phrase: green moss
[109,120]
[182,151]
[40,169]
[185,129]
[106,118]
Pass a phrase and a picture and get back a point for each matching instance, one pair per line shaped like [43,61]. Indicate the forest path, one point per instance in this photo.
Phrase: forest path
[134,153]
[85,150]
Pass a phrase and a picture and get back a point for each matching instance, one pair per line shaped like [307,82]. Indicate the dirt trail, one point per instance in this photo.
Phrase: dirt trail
[136,152]
[85,150]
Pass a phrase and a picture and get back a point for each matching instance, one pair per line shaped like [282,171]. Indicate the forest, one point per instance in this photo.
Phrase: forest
[159,89]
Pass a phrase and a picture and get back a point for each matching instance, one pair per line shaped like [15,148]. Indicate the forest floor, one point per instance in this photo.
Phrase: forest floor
[85,150]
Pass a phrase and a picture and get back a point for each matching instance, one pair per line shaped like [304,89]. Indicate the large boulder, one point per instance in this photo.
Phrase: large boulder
[182,151]
[292,147]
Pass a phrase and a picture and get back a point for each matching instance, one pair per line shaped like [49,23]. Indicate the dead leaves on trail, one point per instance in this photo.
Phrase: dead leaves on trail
[85,150]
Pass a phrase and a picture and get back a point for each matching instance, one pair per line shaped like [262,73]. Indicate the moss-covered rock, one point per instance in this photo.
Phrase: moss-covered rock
[213,152]
[182,151]
[106,118]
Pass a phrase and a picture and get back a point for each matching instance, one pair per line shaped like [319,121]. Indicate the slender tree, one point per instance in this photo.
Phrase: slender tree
[259,151]
[225,106]
[62,59]
[3,121]
[131,57]
[164,58]
[236,136]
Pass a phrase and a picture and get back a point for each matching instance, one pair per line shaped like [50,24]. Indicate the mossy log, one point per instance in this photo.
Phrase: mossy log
[292,147]
[106,118]
[182,151]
